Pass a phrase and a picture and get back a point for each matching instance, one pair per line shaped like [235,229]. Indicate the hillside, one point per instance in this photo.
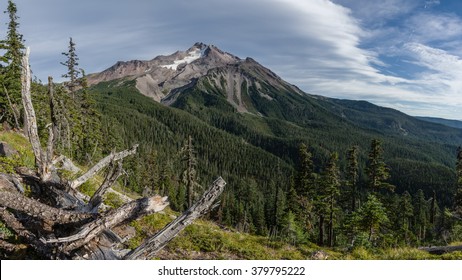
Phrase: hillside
[450,123]
[250,104]
[247,125]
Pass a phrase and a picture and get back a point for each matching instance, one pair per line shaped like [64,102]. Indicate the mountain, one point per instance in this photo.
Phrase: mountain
[246,120]
[251,88]
[164,75]
[450,123]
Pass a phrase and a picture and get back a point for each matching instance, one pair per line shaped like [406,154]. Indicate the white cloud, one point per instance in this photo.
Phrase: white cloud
[428,27]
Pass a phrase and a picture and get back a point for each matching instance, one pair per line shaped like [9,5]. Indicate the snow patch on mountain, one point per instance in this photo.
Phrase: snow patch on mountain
[191,56]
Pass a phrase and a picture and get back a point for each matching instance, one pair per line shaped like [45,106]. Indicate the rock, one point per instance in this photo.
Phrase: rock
[319,255]
[6,150]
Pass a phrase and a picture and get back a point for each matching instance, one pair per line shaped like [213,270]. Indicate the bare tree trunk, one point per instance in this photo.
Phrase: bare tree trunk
[29,111]
[152,245]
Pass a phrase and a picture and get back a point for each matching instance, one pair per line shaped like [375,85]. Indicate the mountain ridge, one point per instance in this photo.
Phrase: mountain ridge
[246,84]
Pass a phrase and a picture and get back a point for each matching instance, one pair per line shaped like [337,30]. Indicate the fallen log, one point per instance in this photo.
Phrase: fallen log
[48,214]
[439,250]
[124,214]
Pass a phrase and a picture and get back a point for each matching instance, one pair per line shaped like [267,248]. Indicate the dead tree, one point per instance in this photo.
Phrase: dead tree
[59,222]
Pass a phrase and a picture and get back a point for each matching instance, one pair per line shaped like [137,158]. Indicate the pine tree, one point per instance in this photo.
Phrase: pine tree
[372,215]
[10,98]
[305,177]
[406,212]
[377,170]
[72,72]
[352,173]
[420,214]
[189,176]
[305,187]
[331,181]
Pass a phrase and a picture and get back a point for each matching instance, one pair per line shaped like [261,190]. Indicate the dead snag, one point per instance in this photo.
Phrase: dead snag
[29,112]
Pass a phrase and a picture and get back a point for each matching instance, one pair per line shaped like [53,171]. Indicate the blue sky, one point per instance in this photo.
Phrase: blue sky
[403,54]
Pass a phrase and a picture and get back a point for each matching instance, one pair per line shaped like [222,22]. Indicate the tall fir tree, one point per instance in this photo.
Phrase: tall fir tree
[352,177]
[377,171]
[71,63]
[10,76]
[305,179]
[331,181]
[405,214]
[305,187]
[421,212]
[189,176]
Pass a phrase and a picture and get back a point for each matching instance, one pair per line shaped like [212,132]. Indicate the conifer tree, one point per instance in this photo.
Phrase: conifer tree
[352,173]
[71,63]
[305,187]
[189,175]
[406,212]
[305,178]
[377,170]
[10,77]
[332,183]
[372,215]
[420,214]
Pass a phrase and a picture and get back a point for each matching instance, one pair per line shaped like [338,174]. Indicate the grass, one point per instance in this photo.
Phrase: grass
[206,240]
[21,144]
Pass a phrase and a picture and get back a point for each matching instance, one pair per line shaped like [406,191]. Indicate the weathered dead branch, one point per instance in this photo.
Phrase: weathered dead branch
[100,165]
[154,244]
[36,209]
[97,198]
[124,214]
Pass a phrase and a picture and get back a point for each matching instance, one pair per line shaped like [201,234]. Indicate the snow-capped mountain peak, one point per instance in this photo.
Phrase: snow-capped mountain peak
[195,53]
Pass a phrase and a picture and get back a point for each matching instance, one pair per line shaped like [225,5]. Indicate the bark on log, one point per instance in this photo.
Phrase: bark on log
[36,209]
[439,250]
[32,240]
[100,165]
[154,244]
[124,214]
